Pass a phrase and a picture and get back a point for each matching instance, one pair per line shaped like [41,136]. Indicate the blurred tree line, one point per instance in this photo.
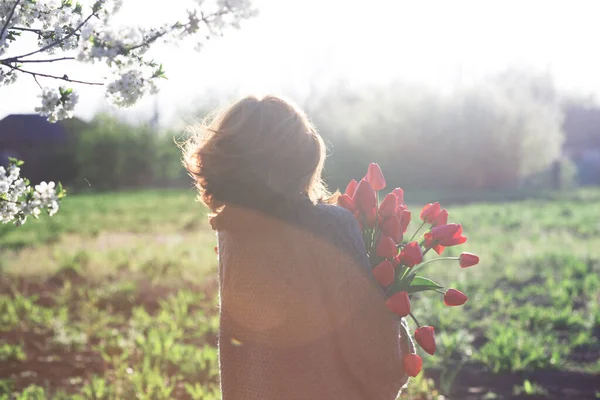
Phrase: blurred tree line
[108,154]
[500,134]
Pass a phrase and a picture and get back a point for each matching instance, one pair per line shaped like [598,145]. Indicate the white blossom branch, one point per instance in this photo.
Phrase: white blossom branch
[12,12]
[48,60]
[62,78]
[49,45]
[19,28]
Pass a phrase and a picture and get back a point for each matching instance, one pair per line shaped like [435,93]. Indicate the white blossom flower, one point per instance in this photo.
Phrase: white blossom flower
[127,89]
[18,200]
[57,104]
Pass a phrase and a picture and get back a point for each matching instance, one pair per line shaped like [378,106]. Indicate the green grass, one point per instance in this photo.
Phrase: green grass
[119,292]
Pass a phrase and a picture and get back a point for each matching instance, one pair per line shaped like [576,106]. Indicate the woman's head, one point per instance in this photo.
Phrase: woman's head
[258,150]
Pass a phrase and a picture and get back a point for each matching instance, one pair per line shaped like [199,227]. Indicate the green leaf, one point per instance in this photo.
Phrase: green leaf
[421,281]
[420,284]
[16,162]
[403,285]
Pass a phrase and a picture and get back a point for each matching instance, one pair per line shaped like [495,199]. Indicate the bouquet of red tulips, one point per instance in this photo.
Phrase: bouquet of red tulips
[394,261]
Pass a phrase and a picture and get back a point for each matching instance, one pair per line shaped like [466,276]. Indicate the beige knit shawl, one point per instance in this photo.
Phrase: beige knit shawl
[300,316]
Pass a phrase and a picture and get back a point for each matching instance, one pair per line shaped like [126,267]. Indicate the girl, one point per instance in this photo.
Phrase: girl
[300,317]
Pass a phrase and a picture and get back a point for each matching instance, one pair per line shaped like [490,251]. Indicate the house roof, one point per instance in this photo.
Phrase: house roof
[582,127]
[31,127]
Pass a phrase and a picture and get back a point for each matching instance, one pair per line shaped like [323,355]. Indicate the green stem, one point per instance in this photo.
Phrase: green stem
[433,260]
[415,319]
[417,231]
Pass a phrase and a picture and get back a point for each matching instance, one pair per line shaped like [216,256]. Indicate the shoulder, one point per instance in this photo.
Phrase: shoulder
[334,213]
[341,222]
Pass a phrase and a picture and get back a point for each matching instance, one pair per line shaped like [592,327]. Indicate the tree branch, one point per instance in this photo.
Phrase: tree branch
[205,19]
[12,12]
[18,28]
[50,45]
[62,78]
[48,60]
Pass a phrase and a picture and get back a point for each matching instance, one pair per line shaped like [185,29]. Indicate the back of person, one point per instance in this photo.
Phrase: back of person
[300,317]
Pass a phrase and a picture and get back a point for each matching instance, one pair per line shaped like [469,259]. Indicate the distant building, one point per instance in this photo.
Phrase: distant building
[42,145]
[582,142]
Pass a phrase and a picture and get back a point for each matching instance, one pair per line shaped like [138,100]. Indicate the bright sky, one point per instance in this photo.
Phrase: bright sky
[295,42]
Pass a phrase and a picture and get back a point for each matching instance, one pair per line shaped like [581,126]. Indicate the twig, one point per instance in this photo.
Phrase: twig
[18,28]
[63,78]
[48,60]
[12,12]
[36,81]
[205,19]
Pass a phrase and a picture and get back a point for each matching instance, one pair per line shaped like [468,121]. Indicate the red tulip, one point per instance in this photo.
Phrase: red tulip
[386,248]
[429,212]
[441,218]
[388,206]
[468,260]
[455,297]
[399,303]
[411,254]
[372,217]
[426,338]
[399,193]
[375,177]
[445,235]
[346,202]
[351,188]
[412,364]
[384,273]
[438,249]
[391,227]
[365,197]
[404,216]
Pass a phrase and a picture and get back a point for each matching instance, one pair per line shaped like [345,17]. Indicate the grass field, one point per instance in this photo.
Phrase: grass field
[115,298]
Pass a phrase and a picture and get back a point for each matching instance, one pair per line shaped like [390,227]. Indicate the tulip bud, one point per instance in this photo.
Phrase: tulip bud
[391,227]
[454,297]
[399,303]
[399,193]
[388,206]
[404,216]
[426,338]
[375,177]
[468,260]
[386,247]
[384,273]
[412,364]
[411,254]
[365,197]
[372,218]
[351,188]
[429,212]
[441,218]
[346,202]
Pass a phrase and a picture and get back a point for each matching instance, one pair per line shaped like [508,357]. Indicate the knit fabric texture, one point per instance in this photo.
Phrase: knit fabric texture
[300,315]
